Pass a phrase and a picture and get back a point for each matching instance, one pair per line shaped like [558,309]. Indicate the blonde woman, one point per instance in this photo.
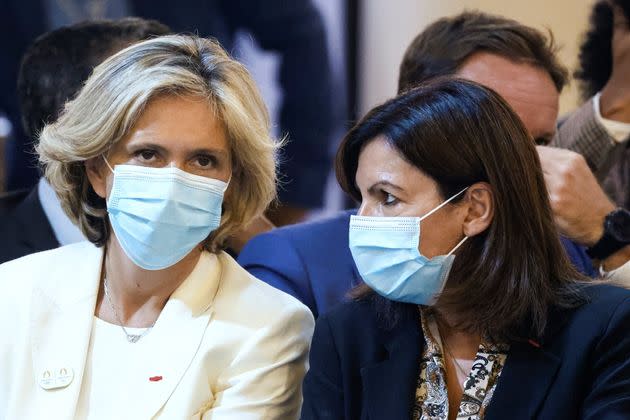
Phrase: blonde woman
[162,155]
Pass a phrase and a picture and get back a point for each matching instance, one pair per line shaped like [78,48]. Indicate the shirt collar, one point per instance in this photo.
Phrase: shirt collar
[65,231]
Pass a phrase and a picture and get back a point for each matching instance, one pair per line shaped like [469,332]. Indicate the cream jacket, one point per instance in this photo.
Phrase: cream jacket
[232,346]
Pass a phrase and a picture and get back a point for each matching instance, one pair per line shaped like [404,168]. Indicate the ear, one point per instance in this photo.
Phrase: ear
[97,173]
[480,213]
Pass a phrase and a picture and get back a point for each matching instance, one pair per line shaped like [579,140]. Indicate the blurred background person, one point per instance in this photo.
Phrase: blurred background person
[469,298]
[52,71]
[163,154]
[604,75]
[5,130]
[294,30]
[312,261]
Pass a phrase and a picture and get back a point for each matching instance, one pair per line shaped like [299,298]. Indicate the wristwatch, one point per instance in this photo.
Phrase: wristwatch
[616,235]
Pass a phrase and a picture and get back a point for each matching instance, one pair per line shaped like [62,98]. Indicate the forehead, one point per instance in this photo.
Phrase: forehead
[181,121]
[381,162]
[528,89]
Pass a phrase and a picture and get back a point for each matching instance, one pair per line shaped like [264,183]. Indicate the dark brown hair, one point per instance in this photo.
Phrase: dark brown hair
[595,57]
[57,64]
[444,45]
[458,133]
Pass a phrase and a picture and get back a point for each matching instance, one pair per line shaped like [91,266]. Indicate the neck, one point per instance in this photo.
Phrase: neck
[139,295]
[463,344]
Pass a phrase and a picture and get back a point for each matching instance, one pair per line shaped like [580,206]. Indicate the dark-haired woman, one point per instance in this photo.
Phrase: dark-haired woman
[470,308]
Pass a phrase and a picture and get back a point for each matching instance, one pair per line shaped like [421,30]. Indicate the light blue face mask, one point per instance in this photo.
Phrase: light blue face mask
[386,253]
[160,214]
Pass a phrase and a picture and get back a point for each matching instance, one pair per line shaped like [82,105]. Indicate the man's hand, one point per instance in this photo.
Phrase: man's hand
[578,202]
[615,99]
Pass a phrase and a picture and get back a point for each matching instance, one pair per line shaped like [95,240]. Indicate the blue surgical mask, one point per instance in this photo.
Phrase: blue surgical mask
[159,215]
[386,253]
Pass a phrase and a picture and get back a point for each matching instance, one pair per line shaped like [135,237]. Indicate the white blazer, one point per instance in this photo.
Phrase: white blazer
[235,347]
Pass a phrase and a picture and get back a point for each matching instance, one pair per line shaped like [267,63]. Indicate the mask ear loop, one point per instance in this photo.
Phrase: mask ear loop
[442,205]
[457,246]
[107,163]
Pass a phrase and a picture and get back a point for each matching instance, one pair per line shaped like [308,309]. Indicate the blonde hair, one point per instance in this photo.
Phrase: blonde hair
[114,97]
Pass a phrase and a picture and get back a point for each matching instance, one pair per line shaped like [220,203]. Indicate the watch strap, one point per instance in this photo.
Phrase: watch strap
[609,242]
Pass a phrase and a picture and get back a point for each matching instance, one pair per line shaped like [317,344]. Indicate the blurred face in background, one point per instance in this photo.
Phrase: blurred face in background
[528,89]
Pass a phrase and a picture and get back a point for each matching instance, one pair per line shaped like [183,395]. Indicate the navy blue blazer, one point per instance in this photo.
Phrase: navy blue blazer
[312,261]
[580,368]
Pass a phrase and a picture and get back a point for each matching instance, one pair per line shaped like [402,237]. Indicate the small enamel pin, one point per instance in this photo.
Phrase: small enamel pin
[56,378]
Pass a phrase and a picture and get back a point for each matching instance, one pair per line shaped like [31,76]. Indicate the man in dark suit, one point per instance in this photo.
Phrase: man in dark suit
[313,262]
[53,70]
[292,29]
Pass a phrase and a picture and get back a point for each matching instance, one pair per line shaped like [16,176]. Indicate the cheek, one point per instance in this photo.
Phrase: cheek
[109,182]
[99,180]
[439,235]
[431,240]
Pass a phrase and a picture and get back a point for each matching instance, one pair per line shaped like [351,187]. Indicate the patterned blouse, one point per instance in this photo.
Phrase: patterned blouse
[431,394]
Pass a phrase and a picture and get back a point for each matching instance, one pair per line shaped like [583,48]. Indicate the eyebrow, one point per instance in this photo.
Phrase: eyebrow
[211,151]
[162,149]
[373,188]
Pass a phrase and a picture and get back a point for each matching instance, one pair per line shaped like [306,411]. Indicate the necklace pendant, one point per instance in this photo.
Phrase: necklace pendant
[133,338]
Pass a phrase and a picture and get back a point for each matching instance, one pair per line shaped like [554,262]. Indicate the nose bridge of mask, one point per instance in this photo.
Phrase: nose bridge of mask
[385,232]
[171,172]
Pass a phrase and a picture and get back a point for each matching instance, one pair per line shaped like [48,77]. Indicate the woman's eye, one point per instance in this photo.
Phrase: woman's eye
[146,154]
[205,161]
[390,199]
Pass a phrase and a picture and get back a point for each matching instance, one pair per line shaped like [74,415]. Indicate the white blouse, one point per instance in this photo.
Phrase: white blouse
[112,369]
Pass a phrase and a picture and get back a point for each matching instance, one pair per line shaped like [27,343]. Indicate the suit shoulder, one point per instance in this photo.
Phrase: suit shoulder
[603,304]
[605,297]
[323,228]
[336,223]
[606,294]
[306,240]
[240,286]
[49,257]
[45,271]
[49,268]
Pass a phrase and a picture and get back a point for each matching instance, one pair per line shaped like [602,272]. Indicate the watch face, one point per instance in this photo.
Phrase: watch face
[619,225]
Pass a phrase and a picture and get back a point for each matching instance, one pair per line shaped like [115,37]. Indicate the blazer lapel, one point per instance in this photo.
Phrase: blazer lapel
[61,323]
[180,327]
[389,385]
[528,373]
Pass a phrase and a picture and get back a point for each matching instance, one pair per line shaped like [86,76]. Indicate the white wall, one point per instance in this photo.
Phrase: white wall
[389,26]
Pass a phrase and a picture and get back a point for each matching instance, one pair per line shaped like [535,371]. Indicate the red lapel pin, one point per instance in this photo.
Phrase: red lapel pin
[534,343]
[155,378]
